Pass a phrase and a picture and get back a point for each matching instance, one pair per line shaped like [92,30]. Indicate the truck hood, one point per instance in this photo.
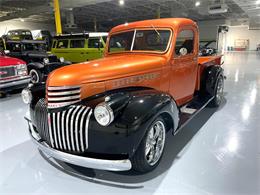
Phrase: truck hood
[108,68]
[8,61]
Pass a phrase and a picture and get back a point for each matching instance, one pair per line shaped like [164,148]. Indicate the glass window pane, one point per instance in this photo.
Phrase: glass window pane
[121,42]
[185,39]
[77,43]
[62,44]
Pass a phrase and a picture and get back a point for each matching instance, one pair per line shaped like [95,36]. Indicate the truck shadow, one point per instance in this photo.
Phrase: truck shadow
[174,149]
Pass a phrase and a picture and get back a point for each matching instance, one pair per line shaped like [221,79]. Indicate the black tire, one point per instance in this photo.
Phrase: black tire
[139,160]
[36,76]
[218,93]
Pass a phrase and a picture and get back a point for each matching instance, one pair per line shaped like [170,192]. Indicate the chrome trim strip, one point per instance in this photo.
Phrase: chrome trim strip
[71,127]
[54,130]
[63,129]
[81,129]
[87,123]
[103,164]
[63,87]
[59,130]
[63,98]
[67,129]
[63,93]
[12,82]
[60,104]
[50,129]
[77,129]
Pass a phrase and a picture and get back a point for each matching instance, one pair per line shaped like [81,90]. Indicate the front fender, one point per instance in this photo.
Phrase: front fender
[35,65]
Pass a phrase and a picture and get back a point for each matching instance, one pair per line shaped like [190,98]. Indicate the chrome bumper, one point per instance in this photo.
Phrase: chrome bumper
[14,82]
[110,165]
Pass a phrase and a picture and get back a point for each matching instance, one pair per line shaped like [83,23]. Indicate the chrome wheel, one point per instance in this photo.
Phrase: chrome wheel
[155,143]
[220,90]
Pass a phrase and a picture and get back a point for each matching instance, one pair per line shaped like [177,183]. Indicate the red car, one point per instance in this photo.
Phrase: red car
[13,74]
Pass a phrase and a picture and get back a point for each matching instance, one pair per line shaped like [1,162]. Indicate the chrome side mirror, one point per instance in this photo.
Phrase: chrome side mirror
[183,51]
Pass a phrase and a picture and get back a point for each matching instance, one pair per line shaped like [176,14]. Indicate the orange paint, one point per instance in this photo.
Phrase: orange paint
[177,76]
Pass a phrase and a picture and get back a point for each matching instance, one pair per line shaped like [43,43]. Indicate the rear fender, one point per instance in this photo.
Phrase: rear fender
[211,76]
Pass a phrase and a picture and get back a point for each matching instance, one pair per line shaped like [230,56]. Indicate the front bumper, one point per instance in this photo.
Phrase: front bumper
[16,83]
[103,164]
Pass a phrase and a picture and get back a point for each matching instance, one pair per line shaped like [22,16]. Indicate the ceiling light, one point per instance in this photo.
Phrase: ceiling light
[121,2]
[257,2]
[197,3]
[126,23]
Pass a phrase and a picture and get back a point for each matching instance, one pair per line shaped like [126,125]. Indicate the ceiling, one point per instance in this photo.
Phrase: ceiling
[108,13]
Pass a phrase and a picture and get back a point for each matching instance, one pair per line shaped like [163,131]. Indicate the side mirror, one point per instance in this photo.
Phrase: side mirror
[6,51]
[183,51]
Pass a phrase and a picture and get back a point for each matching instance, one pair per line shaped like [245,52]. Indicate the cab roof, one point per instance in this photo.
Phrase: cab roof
[165,22]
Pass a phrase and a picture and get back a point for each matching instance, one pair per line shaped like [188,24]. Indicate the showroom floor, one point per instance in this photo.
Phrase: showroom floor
[218,152]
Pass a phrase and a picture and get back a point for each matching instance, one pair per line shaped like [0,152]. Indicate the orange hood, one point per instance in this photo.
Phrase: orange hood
[108,68]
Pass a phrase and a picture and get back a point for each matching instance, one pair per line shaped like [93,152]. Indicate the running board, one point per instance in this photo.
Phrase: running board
[190,110]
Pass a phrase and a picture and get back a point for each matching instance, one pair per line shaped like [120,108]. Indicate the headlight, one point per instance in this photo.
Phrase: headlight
[104,114]
[27,96]
[46,60]
[21,66]
[22,69]
[62,59]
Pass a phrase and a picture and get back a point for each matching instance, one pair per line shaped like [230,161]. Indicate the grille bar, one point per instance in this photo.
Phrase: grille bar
[62,96]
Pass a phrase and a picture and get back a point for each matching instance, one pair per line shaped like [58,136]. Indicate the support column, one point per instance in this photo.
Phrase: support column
[57,17]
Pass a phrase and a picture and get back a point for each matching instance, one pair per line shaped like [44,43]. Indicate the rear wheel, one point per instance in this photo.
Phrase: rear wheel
[150,151]
[218,92]
[36,76]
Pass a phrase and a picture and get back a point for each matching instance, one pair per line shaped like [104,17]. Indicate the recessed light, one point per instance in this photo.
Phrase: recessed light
[197,3]
[121,2]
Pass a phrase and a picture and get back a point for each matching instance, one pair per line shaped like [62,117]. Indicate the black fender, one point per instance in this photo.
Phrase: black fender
[134,111]
[210,77]
[35,65]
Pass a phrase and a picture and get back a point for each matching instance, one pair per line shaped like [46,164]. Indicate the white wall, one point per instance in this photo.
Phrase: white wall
[242,32]
[17,24]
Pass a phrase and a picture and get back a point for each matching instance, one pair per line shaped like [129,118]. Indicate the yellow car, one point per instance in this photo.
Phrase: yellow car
[79,47]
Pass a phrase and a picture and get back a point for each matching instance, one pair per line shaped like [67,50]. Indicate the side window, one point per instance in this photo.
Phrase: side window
[62,44]
[77,43]
[54,43]
[94,43]
[184,43]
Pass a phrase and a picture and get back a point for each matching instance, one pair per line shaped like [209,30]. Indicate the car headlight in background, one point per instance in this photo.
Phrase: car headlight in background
[104,114]
[22,69]
[62,59]
[46,60]
[27,96]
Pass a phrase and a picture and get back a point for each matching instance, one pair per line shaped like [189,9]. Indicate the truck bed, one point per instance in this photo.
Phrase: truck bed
[210,59]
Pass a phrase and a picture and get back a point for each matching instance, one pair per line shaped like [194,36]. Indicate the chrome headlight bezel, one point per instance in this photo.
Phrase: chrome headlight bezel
[104,114]
[46,60]
[62,60]
[26,96]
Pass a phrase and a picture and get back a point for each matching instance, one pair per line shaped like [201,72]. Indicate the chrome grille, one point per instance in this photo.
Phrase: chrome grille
[66,130]
[69,129]
[41,120]
[8,71]
[62,96]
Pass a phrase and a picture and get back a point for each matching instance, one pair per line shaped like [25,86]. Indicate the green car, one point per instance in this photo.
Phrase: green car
[79,47]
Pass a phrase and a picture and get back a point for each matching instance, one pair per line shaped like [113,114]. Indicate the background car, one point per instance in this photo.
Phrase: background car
[39,62]
[13,74]
[208,48]
[79,47]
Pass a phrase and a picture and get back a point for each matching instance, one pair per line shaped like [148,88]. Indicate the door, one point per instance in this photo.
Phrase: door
[78,50]
[95,48]
[184,65]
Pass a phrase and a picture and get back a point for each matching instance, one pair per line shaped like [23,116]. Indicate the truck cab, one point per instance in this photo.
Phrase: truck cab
[114,113]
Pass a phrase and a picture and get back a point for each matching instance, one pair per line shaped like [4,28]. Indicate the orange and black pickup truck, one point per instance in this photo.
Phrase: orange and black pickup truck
[115,113]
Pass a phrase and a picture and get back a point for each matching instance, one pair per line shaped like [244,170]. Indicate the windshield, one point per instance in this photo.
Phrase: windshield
[152,40]
[34,47]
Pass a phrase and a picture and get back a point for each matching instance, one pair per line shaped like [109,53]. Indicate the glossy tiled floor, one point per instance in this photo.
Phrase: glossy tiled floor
[218,152]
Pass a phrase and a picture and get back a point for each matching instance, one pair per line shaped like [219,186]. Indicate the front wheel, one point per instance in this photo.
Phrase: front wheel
[36,76]
[150,150]
[218,92]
